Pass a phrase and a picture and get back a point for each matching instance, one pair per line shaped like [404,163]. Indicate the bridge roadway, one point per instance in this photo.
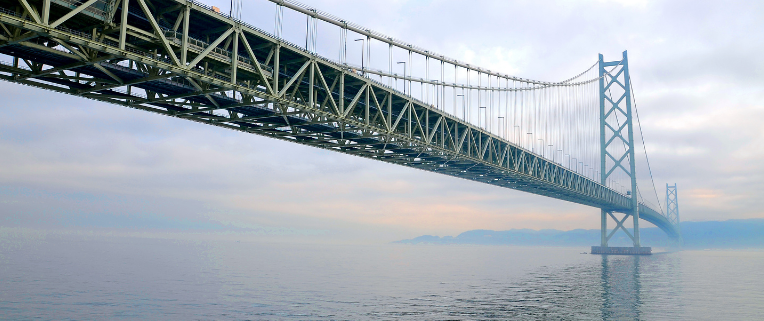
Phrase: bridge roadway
[183,59]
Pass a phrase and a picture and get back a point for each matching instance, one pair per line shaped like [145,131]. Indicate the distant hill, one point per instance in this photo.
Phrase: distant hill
[713,234]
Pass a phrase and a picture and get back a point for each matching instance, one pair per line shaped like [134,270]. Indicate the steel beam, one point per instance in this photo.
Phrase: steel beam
[354,114]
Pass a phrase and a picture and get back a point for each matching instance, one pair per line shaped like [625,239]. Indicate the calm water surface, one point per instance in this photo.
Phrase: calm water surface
[76,277]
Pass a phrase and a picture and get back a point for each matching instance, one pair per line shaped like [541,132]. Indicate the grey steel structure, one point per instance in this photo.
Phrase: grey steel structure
[617,141]
[672,204]
[183,59]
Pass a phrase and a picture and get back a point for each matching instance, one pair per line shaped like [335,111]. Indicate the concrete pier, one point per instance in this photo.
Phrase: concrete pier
[610,250]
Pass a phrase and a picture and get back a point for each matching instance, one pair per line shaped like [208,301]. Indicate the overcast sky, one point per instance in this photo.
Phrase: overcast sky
[698,74]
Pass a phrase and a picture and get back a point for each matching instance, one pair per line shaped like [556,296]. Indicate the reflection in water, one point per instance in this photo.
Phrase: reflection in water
[642,287]
[611,287]
[621,288]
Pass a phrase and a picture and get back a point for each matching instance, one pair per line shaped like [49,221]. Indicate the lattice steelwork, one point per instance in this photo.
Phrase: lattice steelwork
[617,141]
[672,204]
[183,59]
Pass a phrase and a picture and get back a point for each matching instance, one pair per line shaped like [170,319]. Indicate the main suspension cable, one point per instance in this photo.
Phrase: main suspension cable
[644,147]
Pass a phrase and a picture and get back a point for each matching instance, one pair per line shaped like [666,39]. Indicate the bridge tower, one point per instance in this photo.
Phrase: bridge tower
[617,141]
[672,204]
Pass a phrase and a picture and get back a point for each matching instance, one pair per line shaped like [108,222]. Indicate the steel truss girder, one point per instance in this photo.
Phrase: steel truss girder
[342,111]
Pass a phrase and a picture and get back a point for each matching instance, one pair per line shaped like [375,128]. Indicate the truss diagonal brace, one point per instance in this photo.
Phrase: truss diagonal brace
[158,31]
[256,62]
[209,48]
[73,13]
[296,76]
[31,11]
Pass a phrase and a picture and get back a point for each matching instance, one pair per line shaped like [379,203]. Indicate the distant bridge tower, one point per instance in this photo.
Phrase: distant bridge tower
[672,204]
[617,141]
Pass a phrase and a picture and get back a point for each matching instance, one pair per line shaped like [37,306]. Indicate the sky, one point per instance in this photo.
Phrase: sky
[696,68]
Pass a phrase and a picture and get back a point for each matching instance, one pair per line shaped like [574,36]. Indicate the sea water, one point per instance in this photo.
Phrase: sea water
[74,277]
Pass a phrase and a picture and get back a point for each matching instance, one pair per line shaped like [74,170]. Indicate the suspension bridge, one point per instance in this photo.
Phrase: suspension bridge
[573,140]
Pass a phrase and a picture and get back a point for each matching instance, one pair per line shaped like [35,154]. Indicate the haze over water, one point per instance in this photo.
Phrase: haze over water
[52,276]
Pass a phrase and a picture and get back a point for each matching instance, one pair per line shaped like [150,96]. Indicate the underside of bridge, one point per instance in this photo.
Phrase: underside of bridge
[183,59]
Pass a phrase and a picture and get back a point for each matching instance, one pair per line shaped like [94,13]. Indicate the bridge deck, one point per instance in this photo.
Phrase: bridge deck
[186,60]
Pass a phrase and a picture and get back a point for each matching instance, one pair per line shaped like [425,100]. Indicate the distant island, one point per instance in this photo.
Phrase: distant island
[747,233]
